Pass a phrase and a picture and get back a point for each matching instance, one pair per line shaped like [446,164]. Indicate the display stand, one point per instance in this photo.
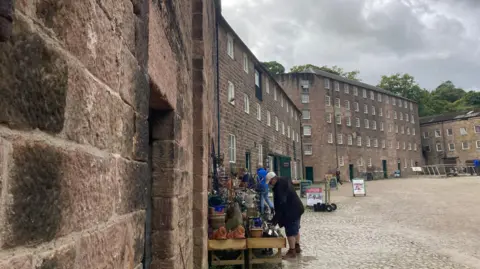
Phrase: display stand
[228,244]
[262,243]
[358,187]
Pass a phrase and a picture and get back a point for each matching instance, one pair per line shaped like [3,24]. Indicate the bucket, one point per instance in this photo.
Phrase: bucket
[217,221]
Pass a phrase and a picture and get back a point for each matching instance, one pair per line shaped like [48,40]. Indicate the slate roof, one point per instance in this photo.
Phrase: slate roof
[450,117]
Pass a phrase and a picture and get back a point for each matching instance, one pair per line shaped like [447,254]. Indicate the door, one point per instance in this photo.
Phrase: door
[350,171]
[285,170]
[309,173]
[384,165]
[247,161]
[399,166]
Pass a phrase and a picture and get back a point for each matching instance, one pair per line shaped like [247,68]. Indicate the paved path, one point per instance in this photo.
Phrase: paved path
[401,223]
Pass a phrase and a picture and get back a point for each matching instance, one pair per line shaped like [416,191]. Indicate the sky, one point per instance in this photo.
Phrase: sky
[432,40]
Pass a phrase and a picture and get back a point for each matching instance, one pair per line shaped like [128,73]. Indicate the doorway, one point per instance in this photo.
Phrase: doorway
[247,161]
[350,171]
[399,166]
[285,163]
[384,165]
[309,173]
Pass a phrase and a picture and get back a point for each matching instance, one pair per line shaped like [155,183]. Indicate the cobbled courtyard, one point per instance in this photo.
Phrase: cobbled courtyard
[403,223]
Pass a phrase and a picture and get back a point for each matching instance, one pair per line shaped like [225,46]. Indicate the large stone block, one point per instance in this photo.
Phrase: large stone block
[17,262]
[168,182]
[165,244]
[97,116]
[28,62]
[53,192]
[141,138]
[171,263]
[61,258]
[165,213]
[132,178]
[136,241]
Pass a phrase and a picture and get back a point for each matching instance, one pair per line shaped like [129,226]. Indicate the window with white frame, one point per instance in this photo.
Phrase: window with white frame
[288,131]
[347,104]
[449,132]
[275,93]
[379,97]
[387,99]
[328,117]
[326,82]
[349,140]
[297,138]
[283,128]
[291,112]
[276,123]
[339,139]
[348,121]
[306,114]
[388,114]
[257,79]
[405,105]
[413,119]
[439,147]
[404,145]
[415,146]
[355,91]
[384,144]
[337,102]
[341,161]
[381,126]
[281,99]
[398,144]
[307,130]
[425,134]
[412,163]
[369,162]
[409,146]
[478,144]
[365,109]
[394,101]
[408,130]
[402,129]
[230,46]
[346,88]
[390,128]
[372,95]
[293,135]
[380,112]
[395,114]
[259,112]
[451,146]
[477,129]
[307,149]
[330,138]
[413,131]
[357,122]
[296,116]
[231,93]
[374,125]
[305,98]
[367,141]
[246,103]
[360,161]
[338,119]
[287,107]
[366,123]
[438,133]
[364,93]
[375,143]
[411,106]
[260,154]
[396,129]
[405,165]
[245,62]
[390,144]
[327,100]
[337,86]
[401,116]
[359,141]
[465,145]
[269,120]
[463,131]
[406,117]
[373,110]
[267,86]
[357,107]
[232,148]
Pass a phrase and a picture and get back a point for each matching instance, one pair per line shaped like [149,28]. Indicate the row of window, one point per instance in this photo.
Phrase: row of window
[369,124]
[373,110]
[232,150]
[361,162]
[369,142]
[451,146]
[463,131]
[346,88]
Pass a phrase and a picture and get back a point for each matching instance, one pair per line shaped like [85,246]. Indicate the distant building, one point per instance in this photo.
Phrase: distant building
[452,138]
[259,124]
[353,126]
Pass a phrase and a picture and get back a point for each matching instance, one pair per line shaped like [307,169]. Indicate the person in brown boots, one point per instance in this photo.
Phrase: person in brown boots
[288,211]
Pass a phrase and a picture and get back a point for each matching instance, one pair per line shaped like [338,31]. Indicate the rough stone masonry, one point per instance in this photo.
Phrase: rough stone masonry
[99,104]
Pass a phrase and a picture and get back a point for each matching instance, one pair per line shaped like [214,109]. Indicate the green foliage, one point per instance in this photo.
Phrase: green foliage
[274,67]
[445,98]
[353,75]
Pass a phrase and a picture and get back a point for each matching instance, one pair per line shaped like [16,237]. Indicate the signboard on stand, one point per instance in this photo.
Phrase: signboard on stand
[358,186]
[314,196]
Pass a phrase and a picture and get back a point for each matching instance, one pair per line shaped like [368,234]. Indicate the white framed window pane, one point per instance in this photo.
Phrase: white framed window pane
[307,130]
[259,112]
[245,62]
[308,149]
[327,101]
[305,98]
[232,148]
[246,103]
[330,138]
[231,93]
[268,118]
[339,139]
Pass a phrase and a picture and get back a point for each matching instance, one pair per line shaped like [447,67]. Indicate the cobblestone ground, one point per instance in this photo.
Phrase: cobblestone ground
[402,223]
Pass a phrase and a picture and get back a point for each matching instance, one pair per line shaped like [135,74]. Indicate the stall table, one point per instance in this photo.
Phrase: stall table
[228,244]
[261,243]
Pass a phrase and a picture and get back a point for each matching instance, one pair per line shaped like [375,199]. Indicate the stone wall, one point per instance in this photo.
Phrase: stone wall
[73,159]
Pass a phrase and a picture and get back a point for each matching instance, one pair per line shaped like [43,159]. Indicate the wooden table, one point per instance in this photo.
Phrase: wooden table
[261,243]
[228,244]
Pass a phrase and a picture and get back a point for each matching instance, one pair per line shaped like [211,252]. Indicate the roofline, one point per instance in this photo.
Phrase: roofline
[466,117]
[257,63]
[353,82]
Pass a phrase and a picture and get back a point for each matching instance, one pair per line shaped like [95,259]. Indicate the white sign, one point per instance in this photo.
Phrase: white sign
[417,169]
[314,196]
[358,187]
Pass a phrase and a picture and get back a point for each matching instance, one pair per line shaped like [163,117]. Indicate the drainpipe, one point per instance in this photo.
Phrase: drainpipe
[6,19]
[217,80]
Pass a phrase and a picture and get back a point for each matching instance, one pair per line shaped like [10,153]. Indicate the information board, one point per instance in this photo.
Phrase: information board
[314,196]
[358,186]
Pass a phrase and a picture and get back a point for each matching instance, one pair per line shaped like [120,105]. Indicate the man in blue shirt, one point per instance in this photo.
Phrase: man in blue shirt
[263,190]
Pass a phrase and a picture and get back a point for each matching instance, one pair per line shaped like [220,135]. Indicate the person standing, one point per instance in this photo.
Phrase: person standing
[337,175]
[288,211]
[263,190]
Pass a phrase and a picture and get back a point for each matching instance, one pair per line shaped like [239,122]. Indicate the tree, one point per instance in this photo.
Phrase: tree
[353,75]
[402,85]
[448,92]
[274,67]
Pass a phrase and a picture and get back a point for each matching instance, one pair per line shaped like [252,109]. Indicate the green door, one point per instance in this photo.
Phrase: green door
[285,169]
[309,173]
[399,166]
[350,171]
[384,164]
